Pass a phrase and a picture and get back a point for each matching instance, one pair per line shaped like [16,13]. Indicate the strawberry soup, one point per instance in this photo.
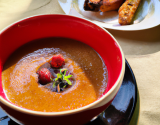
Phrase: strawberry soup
[23,74]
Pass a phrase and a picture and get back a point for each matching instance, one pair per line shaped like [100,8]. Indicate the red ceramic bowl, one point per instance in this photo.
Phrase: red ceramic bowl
[79,29]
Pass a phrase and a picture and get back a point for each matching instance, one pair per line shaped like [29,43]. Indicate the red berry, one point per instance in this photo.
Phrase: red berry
[57,61]
[44,76]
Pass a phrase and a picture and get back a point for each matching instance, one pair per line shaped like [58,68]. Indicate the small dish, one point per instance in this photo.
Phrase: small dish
[117,112]
[147,15]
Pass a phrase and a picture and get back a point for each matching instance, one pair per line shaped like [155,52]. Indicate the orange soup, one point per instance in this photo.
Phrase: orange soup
[20,80]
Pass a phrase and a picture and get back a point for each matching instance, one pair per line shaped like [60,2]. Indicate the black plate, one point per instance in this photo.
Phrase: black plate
[121,110]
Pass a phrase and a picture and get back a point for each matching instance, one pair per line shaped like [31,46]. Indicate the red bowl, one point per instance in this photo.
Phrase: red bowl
[42,26]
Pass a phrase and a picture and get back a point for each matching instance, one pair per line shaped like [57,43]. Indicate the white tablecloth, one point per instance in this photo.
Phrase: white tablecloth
[140,49]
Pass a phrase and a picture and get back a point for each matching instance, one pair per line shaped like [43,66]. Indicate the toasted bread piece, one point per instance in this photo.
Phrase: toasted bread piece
[110,5]
[127,11]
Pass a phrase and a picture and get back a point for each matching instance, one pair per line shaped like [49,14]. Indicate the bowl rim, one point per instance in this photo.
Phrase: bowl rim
[92,105]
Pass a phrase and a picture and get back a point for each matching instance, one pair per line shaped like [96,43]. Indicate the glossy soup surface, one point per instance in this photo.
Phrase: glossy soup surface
[20,80]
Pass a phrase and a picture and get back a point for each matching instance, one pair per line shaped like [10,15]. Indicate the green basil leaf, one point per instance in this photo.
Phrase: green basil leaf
[55,79]
[51,79]
[65,72]
[61,72]
[54,84]
[59,75]
[68,81]
[64,86]
[67,77]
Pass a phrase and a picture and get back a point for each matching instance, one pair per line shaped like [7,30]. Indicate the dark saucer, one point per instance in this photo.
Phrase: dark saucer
[123,110]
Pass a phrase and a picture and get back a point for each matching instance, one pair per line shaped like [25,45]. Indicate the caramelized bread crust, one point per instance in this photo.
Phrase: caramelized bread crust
[110,5]
[127,11]
[102,5]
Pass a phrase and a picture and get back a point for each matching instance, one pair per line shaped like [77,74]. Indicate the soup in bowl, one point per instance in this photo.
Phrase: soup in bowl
[58,69]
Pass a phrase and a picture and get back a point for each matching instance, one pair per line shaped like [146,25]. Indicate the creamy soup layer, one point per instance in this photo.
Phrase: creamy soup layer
[20,80]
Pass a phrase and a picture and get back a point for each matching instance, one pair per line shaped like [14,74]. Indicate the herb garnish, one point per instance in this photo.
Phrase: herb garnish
[62,78]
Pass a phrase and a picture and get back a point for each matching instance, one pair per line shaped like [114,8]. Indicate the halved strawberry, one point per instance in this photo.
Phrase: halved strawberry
[57,61]
[44,76]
